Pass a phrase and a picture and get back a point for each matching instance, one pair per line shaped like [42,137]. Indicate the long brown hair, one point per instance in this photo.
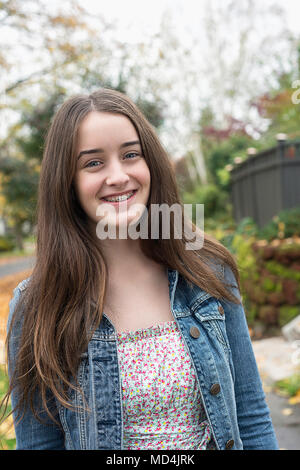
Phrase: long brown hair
[63,302]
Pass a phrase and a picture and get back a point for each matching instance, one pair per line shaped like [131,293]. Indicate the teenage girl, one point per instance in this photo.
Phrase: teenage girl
[122,342]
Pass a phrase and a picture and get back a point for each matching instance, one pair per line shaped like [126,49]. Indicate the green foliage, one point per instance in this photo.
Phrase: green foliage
[211,196]
[223,178]
[233,234]
[152,110]
[282,271]
[20,166]
[287,313]
[6,244]
[241,248]
[290,386]
[291,220]
[19,188]
[270,285]
[7,441]
[251,311]
[38,120]
[278,107]
[219,154]
[247,227]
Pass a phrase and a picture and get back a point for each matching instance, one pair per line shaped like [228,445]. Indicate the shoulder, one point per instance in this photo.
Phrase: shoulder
[17,292]
[16,298]
[228,276]
[23,284]
[223,271]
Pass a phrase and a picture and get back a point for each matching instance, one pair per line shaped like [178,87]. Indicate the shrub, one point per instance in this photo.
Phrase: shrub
[287,222]
[282,271]
[214,199]
[287,313]
[290,386]
[6,244]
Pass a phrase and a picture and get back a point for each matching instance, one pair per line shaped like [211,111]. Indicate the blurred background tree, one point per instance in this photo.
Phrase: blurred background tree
[210,97]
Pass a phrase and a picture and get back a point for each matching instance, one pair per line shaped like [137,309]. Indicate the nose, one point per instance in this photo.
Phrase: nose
[116,175]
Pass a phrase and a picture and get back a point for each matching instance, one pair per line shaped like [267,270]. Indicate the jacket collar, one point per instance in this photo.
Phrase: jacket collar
[183,294]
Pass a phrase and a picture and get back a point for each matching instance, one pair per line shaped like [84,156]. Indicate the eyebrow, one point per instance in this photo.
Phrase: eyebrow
[90,151]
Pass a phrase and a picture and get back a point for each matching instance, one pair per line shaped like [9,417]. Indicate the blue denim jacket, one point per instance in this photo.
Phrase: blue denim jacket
[216,335]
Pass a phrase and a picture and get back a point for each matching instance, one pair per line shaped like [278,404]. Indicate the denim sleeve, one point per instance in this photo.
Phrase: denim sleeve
[255,425]
[30,433]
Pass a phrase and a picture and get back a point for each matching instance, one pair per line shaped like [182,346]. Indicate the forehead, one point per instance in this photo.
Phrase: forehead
[105,130]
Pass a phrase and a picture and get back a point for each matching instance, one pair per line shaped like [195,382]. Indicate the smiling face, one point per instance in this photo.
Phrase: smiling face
[109,163]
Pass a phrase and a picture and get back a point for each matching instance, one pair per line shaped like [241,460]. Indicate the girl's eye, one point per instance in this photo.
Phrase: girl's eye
[89,165]
[133,154]
[95,163]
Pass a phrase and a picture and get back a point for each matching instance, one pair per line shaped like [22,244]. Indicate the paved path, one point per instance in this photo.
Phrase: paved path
[278,359]
[16,266]
[286,421]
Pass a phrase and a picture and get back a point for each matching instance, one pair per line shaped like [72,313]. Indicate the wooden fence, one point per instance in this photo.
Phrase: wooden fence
[267,182]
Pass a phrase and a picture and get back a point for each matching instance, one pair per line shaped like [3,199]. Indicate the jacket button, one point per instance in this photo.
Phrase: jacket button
[215,389]
[194,332]
[221,309]
[229,444]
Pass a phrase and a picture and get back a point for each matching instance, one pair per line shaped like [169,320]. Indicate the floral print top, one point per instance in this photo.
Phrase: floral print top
[162,407]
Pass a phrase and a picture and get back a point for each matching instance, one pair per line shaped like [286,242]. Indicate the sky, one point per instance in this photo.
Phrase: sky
[146,15]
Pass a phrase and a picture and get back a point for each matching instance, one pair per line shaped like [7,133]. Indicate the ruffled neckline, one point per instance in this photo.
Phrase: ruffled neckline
[154,330]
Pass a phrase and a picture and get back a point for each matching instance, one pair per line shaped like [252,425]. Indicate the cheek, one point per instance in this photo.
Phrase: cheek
[85,187]
[143,174]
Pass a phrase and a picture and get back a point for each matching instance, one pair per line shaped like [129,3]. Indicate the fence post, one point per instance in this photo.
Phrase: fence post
[281,140]
[251,151]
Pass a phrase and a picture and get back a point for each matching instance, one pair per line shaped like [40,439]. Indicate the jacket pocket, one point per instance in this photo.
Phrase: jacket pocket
[211,315]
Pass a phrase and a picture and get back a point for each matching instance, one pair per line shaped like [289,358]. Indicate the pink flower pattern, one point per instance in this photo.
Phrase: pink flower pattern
[162,406]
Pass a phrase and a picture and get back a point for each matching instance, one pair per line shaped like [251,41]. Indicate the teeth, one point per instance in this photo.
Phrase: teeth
[119,198]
